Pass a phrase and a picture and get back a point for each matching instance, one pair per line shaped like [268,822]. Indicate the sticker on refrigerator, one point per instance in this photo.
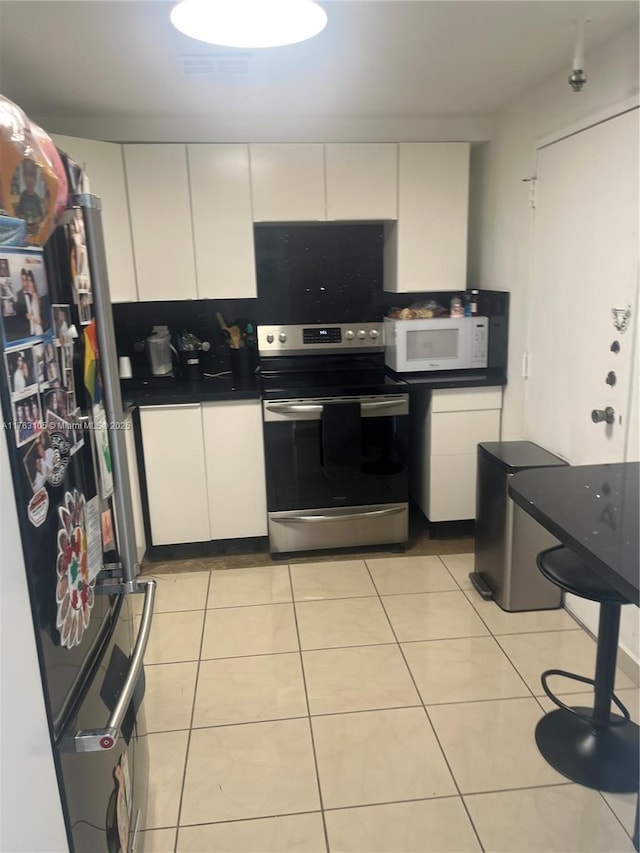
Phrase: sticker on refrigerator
[94,538]
[100,433]
[74,590]
[78,257]
[43,463]
[21,371]
[24,294]
[38,507]
[108,538]
[27,418]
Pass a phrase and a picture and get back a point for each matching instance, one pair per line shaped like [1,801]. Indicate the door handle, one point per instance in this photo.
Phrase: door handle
[346,516]
[97,740]
[607,415]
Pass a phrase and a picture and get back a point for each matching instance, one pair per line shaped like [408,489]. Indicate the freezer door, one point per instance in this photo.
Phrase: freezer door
[104,792]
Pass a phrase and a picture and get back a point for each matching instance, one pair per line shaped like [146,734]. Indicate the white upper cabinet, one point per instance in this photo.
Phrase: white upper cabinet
[362,180]
[103,164]
[159,204]
[287,182]
[222,223]
[427,248]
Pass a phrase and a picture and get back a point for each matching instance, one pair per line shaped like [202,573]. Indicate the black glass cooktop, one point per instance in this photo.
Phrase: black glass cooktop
[324,383]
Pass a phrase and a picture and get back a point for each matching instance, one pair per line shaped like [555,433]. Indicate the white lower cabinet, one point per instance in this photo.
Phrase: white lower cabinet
[176,480]
[205,471]
[446,428]
[234,460]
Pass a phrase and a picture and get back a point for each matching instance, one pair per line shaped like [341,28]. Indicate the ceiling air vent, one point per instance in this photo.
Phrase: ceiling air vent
[219,64]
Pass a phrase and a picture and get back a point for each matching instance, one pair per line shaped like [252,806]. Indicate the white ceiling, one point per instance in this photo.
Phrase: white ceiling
[118,63]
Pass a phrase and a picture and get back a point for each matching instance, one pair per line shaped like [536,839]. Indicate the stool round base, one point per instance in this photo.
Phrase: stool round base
[605,759]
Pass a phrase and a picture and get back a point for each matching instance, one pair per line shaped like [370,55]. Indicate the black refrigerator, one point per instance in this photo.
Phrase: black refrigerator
[64,427]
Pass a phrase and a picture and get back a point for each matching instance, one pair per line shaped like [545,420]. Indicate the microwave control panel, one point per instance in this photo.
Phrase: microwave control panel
[480,342]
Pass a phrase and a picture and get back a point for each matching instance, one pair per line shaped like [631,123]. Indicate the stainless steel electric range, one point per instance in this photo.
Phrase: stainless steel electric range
[336,438]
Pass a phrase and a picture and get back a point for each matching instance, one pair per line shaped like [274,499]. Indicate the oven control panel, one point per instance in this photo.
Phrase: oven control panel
[310,339]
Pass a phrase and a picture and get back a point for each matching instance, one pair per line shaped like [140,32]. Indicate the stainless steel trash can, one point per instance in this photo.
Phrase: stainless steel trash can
[507,538]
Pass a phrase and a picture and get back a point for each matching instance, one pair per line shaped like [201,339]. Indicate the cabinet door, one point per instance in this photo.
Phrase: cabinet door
[222,224]
[362,180]
[287,182]
[104,166]
[235,469]
[427,248]
[158,189]
[174,467]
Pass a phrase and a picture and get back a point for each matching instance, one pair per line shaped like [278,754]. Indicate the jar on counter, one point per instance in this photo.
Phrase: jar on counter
[456,307]
[474,301]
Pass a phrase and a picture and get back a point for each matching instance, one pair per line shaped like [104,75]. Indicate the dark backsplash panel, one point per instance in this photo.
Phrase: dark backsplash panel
[319,272]
[133,322]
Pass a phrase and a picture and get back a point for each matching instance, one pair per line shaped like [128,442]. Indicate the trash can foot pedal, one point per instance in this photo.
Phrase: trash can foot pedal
[481,586]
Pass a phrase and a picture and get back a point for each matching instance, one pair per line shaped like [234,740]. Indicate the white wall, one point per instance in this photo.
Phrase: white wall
[30,811]
[501,224]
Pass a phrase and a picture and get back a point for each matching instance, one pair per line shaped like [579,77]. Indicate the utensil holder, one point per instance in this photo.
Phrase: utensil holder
[241,367]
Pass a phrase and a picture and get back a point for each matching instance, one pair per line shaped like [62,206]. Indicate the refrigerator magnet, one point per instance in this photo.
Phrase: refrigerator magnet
[38,507]
[74,589]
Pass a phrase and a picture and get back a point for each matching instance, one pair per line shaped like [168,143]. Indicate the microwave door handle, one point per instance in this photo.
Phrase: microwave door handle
[98,740]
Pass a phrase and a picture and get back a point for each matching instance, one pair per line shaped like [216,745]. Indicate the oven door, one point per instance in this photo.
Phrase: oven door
[336,471]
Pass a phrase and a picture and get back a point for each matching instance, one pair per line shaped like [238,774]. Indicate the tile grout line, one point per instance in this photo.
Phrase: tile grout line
[613,812]
[193,710]
[429,721]
[306,696]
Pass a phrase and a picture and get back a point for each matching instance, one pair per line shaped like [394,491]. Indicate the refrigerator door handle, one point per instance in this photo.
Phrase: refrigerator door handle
[96,740]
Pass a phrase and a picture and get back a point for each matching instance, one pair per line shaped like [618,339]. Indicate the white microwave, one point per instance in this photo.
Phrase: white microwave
[443,343]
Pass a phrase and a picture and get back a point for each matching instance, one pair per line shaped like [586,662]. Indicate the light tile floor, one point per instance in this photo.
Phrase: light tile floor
[374,705]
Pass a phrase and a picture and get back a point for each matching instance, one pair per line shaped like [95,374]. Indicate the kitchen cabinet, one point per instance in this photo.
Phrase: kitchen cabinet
[426,249]
[104,166]
[287,182]
[204,465]
[134,484]
[446,428]
[176,480]
[160,209]
[362,181]
[222,222]
[234,461]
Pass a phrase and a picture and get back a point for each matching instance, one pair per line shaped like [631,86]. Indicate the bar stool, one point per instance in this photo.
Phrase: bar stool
[591,746]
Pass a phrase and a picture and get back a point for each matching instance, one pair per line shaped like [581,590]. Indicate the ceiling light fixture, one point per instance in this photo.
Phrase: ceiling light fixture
[249,23]
[578,78]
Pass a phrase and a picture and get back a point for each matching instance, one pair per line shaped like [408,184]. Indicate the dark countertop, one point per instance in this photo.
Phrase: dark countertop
[169,391]
[594,511]
[489,376]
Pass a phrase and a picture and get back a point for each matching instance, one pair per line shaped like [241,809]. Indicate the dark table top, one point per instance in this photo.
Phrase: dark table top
[594,511]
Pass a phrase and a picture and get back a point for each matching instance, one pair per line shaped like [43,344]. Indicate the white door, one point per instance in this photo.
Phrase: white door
[585,264]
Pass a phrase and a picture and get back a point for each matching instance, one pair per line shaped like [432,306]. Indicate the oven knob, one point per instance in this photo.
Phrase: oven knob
[374,334]
[362,334]
[348,335]
[282,337]
[269,338]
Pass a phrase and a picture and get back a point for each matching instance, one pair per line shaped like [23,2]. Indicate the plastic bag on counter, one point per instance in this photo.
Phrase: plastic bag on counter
[418,311]
[30,190]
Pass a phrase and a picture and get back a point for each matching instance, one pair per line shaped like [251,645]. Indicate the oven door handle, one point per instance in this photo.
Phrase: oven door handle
[314,519]
[306,408]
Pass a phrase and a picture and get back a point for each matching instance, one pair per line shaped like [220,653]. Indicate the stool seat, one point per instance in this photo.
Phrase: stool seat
[564,569]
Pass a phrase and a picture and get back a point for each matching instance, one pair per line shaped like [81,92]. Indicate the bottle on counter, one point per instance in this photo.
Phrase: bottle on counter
[474,301]
[467,304]
[456,309]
